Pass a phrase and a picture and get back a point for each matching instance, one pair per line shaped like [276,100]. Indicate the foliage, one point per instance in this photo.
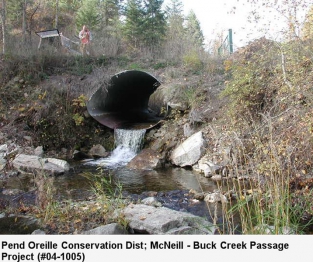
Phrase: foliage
[110,12]
[45,195]
[145,23]
[134,66]
[193,62]
[307,31]
[251,72]
[133,24]
[104,185]
[174,45]
[135,27]
[194,32]
[261,185]
[154,23]
[88,14]
[79,104]
[67,216]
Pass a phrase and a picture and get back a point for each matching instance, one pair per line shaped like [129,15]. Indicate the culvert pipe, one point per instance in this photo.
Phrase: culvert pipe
[122,103]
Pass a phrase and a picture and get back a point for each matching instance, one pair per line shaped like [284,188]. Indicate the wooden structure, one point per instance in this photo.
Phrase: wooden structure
[54,36]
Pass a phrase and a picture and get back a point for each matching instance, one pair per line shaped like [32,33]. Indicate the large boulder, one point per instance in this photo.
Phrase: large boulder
[32,163]
[147,159]
[190,151]
[162,220]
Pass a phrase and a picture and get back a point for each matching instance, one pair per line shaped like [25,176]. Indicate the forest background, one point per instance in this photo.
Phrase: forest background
[117,26]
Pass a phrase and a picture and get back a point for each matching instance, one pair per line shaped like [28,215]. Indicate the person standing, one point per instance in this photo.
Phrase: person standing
[85,38]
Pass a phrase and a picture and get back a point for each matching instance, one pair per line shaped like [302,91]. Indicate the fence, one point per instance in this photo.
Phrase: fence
[226,48]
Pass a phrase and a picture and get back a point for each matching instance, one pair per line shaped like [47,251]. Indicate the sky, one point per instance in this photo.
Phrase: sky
[217,16]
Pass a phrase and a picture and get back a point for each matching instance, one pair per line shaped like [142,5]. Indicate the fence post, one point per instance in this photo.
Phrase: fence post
[230,41]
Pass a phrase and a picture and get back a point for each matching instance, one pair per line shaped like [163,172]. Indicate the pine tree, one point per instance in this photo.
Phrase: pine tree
[109,12]
[175,33]
[133,27]
[88,14]
[154,23]
[174,8]
[193,31]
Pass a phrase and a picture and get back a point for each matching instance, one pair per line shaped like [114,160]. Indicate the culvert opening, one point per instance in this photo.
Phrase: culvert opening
[123,102]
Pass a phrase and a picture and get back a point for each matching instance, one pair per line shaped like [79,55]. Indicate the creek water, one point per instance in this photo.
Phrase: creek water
[169,185]
[127,144]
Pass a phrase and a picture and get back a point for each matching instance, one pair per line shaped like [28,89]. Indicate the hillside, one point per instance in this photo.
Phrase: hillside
[256,103]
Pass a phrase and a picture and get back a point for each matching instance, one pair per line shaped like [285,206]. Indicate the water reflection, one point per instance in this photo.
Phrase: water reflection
[136,181]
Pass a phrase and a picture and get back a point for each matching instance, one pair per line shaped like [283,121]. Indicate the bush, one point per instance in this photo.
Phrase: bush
[251,72]
[193,62]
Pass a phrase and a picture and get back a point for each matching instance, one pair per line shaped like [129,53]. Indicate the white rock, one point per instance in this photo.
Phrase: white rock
[31,163]
[190,151]
[215,197]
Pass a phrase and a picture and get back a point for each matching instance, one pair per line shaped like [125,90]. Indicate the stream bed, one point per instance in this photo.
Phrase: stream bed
[169,186]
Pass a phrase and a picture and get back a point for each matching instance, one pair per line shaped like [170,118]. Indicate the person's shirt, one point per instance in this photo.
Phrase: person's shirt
[85,36]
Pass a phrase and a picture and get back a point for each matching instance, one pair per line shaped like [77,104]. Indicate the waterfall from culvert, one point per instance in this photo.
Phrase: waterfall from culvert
[127,144]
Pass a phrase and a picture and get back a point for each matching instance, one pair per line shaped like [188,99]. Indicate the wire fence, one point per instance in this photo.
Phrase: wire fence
[226,48]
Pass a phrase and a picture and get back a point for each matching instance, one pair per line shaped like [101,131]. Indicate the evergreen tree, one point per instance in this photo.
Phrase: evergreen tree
[88,14]
[174,8]
[133,27]
[15,9]
[193,31]
[175,19]
[154,23]
[110,12]
[175,34]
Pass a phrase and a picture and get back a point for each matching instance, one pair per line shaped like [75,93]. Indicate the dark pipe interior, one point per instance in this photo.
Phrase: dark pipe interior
[123,102]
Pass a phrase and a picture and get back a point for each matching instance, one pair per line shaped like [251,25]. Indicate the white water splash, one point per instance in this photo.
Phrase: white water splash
[128,143]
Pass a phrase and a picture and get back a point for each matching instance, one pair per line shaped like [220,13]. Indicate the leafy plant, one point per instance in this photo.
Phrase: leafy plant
[193,62]
[251,72]
[78,104]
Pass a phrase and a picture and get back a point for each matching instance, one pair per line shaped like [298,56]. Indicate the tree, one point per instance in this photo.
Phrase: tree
[56,21]
[174,8]
[175,33]
[109,12]
[194,33]
[284,14]
[88,14]
[307,30]
[20,14]
[109,34]
[3,24]
[133,26]
[154,23]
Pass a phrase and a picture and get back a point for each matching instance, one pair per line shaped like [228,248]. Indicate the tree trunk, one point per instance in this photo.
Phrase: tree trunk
[56,13]
[24,21]
[3,25]
[30,24]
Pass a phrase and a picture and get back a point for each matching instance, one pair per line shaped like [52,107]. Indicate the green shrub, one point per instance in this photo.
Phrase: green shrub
[193,62]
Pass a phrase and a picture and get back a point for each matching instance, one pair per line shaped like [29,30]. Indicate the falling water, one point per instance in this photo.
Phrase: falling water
[127,144]
[131,139]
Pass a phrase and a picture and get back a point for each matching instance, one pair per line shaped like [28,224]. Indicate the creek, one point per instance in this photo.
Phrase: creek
[170,186]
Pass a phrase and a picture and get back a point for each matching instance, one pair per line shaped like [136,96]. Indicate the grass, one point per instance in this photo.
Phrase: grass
[69,216]
[261,199]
